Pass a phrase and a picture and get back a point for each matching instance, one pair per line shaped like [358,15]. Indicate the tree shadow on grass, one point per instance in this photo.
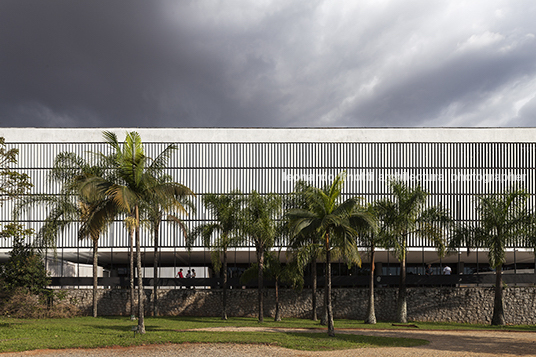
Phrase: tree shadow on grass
[493,342]
[128,328]
[321,341]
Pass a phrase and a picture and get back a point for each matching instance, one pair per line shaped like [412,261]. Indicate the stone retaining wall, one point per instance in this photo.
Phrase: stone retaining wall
[472,305]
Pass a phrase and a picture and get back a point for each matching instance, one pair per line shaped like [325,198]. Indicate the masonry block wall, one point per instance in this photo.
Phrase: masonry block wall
[469,305]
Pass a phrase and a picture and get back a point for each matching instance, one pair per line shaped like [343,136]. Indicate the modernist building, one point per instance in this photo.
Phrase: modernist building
[454,165]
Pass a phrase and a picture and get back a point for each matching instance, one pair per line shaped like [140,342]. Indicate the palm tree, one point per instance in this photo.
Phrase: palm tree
[402,216]
[76,202]
[503,219]
[225,211]
[136,181]
[155,209]
[259,225]
[130,224]
[95,216]
[305,247]
[336,223]
[273,268]
[371,239]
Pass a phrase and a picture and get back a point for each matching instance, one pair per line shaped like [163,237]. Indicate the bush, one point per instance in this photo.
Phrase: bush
[20,303]
[24,268]
[23,281]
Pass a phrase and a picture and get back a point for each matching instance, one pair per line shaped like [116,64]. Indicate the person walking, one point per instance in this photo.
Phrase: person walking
[447,270]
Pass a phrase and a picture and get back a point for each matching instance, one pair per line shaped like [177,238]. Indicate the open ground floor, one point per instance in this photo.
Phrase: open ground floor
[114,262]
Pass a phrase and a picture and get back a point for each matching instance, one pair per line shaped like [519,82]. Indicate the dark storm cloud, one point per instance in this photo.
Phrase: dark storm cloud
[73,63]
[266,63]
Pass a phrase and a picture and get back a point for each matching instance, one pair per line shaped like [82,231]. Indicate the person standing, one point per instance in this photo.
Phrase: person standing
[447,270]
[179,274]
[428,270]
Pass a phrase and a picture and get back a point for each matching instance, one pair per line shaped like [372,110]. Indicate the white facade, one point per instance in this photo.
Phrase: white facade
[453,164]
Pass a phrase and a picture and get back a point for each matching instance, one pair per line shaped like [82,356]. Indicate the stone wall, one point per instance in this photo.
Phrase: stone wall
[473,305]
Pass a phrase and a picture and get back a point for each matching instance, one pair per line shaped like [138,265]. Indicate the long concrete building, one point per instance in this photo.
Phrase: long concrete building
[454,165]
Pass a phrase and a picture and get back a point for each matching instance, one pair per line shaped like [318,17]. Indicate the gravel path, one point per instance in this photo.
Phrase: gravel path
[442,343]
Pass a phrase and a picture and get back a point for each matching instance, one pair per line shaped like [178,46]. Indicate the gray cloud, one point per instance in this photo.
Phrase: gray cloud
[276,63]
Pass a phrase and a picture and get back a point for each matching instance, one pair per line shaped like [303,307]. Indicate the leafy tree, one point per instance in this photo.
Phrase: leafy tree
[403,215]
[13,184]
[24,268]
[260,226]
[225,211]
[337,223]
[503,219]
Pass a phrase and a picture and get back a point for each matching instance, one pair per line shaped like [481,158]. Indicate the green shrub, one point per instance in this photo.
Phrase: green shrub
[24,268]
[23,281]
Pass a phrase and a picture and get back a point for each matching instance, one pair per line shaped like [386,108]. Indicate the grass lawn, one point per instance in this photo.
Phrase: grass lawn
[88,332]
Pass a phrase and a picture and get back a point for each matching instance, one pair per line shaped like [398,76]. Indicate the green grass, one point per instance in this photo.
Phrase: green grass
[88,332]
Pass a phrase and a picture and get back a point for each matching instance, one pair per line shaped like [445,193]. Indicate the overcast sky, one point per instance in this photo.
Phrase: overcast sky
[288,63]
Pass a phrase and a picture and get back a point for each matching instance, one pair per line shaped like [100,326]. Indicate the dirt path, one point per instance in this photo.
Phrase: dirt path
[442,343]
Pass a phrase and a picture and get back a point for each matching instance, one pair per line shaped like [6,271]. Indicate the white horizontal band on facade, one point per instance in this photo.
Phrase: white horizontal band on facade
[275,135]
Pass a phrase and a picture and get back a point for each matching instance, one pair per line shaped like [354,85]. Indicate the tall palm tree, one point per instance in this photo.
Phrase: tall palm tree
[305,247]
[371,239]
[76,202]
[130,224]
[273,268]
[503,219]
[155,209]
[403,215]
[259,224]
[225,211]
[337,223]
[136,181]
[95,215]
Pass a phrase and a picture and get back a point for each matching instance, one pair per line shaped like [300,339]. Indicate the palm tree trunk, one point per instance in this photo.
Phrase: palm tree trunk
[131,258]
[277,311]
[155,271]
[402,308]
[224,297]
[95,278]
[260,264]
[498,307]
[324,317]
[371,315]
[141,321]
[331,327]
[313,273]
